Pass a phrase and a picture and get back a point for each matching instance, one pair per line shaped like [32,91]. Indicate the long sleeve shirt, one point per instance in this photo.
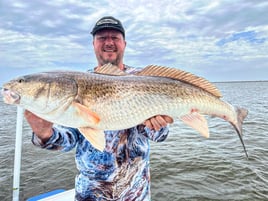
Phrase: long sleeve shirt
[120,172]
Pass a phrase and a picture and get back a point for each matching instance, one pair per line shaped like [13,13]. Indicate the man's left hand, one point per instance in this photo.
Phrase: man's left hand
[158,122]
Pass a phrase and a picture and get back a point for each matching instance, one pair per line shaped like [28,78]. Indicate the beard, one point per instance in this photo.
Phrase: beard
[115,61]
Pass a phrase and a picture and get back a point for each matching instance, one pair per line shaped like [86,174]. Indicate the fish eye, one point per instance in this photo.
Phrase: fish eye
[21,80]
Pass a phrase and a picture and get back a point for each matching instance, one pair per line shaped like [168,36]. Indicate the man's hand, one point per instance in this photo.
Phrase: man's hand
[41,127]
[157,122]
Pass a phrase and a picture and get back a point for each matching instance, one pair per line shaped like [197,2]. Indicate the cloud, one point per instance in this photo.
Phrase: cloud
[28,50]
[204,37]
[248,36]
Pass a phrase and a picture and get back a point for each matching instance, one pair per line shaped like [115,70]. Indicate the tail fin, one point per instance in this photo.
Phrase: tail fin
[241,115]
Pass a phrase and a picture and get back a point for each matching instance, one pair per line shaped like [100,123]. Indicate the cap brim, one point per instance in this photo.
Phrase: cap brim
[107,27]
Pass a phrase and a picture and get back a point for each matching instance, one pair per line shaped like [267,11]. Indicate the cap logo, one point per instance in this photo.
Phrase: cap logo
[106,21]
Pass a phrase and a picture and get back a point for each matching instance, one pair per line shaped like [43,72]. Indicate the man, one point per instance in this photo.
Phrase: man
[121,171]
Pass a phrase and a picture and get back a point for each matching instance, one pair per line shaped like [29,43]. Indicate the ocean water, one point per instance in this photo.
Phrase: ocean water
[184,167]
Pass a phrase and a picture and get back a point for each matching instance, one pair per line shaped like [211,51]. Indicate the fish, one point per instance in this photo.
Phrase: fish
[110,99]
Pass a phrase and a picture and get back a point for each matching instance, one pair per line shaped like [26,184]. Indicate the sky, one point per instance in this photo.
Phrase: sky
[220,40]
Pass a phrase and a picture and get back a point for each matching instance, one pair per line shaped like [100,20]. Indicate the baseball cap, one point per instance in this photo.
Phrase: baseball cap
[108,22]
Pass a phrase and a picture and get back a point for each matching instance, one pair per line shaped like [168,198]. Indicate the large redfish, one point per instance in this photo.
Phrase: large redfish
[112,100]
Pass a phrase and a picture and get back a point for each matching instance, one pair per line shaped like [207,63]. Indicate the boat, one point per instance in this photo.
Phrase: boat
[55,195]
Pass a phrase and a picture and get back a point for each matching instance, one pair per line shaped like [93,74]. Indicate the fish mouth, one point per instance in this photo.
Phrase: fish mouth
[10,97]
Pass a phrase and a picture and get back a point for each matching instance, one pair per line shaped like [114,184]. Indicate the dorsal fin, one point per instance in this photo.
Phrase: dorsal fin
[109,69]
[162,71]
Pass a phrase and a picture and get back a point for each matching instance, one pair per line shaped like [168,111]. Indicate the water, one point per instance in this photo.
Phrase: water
[184,167]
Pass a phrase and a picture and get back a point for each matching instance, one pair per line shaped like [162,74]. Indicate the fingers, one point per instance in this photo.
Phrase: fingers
[168,119]
[33,119]
[28,115]
[41,127]
[158,122]
[148,124]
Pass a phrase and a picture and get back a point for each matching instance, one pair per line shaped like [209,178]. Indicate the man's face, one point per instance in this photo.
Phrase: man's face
[109,46]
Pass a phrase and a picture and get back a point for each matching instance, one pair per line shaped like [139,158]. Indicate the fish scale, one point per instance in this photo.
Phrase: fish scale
[94,102]
[143,98]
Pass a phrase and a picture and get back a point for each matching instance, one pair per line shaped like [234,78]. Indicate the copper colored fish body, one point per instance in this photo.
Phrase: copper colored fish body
[112,100]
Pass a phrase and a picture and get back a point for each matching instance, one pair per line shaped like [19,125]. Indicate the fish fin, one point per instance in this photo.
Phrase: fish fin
[86,113]
[94,136]
[241,115]
[177,74]
[109,69]
[197,122]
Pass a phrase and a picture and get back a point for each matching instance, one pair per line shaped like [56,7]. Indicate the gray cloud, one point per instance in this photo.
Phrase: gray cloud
[213,38]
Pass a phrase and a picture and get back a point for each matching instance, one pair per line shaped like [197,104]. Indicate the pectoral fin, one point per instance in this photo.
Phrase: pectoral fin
[86,113]
[95,137]
[197,122]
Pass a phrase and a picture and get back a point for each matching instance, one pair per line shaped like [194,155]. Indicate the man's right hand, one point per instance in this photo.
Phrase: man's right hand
[41,127]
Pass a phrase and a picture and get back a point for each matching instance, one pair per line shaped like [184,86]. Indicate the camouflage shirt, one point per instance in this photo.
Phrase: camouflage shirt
[120,172]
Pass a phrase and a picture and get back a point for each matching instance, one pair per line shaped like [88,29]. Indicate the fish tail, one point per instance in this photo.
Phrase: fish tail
[241,115]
